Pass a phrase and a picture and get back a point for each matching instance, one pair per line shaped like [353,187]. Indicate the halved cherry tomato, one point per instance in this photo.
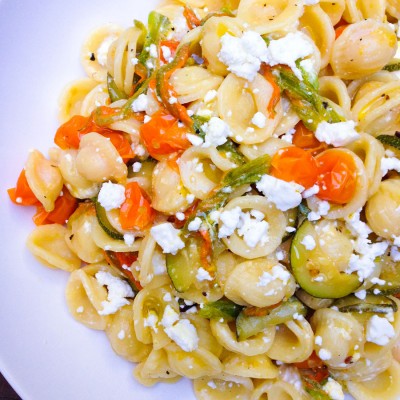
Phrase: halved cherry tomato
[22,194]
[337,176]
[64,207]
[306,140]
[136,211]
[293,164]
[68,135]
[163,135]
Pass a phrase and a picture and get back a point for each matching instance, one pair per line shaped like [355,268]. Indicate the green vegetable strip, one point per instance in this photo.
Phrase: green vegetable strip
[303,95]
[225,309]
[114,92]
[395,66]
[392,141]
[158,26]
[314,389]
[230,151]
[244,175]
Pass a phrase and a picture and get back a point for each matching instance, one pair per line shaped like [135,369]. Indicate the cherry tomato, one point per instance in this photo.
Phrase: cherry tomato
[164,135]
[293,164]
[306,140]
[64,207]
[22,194]
[337,176]
[136,211]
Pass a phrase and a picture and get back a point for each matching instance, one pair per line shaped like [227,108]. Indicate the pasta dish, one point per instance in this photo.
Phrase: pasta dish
[225,194]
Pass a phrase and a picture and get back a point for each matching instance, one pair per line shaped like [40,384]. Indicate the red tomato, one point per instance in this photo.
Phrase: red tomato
[163,135]
[337,177]
[293,164]
[64,207]
[306,140]
[22,194]
[136,211]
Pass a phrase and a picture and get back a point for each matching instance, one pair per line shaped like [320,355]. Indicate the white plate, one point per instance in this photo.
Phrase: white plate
[44,353]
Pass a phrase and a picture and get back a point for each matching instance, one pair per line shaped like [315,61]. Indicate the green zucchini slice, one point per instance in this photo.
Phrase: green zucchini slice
[371,304]
[247,326]
[101,214]
[224,308]
[320,271]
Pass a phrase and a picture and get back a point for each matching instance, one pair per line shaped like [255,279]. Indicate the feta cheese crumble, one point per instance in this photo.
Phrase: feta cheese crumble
[390,164]
[118,291]
[167,237]
[324,354]
[181,331]
[379,331]
[277,272]
[243,56]
[259,120]
[216,132]
[308,242]
[140,104]
[249,225]
[337,134]
[203,275]
[111,195]
[285,195]
[333,389]
[194,225]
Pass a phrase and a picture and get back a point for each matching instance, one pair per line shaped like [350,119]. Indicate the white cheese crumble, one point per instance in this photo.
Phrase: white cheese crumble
[259,120]
[136,167]
[395,254]
[243,56]
[111,195]
[285,195]
[333,389]
[167,297]
[324,354]
[129,239]
[337,134]
[194,225]
[288,50]
[118,291]
[194,139]
[288,136]
[140,104]
[166,52]
[308,242]
[180,216]
[151,321]
[361,294]
[159,263]
[318,340]
[379,331]
[249,225]
[102,50]
[181,331]
[203,275]
[323,209]
[277,272]
[167,237]
[313,190]
[390,164]
[216,132]
[310,2]
[153,51]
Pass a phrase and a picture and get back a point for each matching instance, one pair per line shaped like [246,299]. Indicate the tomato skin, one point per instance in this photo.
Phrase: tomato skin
[293,164]
[64,207]
[136,211]
[22,194]
[162,135]
[337,179]
[306,140]
[68,135]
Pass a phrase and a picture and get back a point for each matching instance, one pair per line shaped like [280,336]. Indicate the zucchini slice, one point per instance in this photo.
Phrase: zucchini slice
[182,267]
[101,214]
[390,274]
[247,326]
[389,140]
[224,308]
[371,304]
[292,217]
[318,271]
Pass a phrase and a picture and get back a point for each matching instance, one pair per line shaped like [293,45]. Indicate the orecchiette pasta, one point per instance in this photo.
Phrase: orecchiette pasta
[225,194]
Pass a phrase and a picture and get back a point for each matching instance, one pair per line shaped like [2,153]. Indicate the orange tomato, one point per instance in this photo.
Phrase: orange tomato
[136,211]
[163,135]
[306,140]
[293,164]
[68,135]
[64,207]
[22,194]
[337,176]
